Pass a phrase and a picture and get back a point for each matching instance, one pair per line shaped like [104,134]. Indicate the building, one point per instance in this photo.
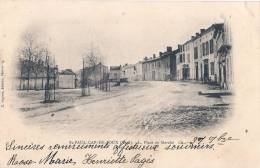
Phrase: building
[160,68]
[132,72]
[93,75]
[197,58]
[185,61]
[67,79]
[33,80]
[139,71]
[207,60]
[224,56]
[128,72]
[115,73]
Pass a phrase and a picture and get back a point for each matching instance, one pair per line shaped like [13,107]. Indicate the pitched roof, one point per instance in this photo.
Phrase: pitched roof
[115,67]
[67,72]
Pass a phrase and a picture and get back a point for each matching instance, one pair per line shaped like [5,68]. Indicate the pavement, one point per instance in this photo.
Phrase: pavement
[135,107]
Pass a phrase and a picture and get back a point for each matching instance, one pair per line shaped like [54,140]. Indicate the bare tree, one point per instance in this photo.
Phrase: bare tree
[93,68]
[89,63]
[50,73]
[27,54]
[38,64]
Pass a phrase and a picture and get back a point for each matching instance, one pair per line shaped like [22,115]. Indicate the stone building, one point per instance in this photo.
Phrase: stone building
[197,58]
[207,61]
[115,73]
[224,56]
[93,75]
[132,72]
[160,68]
[67,79]
[185,61]
[139,71]
[37,81]
[128,72]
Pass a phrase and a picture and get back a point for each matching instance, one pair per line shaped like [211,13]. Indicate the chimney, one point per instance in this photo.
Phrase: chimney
[154,56]
[197,34]
[192,37]
[202,30]
[160,53]
[169,49]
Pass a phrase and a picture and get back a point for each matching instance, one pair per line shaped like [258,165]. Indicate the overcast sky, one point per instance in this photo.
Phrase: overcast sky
[124,32]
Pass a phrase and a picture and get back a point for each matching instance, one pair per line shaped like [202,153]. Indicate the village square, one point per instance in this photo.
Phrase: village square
[182,88]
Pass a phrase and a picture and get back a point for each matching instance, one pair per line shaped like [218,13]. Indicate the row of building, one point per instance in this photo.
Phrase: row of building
[205,57]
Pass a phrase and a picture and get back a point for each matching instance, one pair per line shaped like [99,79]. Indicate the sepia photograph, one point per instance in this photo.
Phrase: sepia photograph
[133,84]
[124,73]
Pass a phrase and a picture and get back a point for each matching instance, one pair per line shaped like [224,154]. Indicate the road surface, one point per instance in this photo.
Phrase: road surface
[135,107]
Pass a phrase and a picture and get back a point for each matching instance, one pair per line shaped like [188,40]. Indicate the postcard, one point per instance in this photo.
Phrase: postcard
[132,84]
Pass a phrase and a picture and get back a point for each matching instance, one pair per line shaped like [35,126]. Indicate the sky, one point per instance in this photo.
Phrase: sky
[123,32]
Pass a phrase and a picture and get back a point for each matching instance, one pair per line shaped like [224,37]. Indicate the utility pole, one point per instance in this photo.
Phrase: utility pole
[55,71]
[83,80]
[47,93]
[28,69]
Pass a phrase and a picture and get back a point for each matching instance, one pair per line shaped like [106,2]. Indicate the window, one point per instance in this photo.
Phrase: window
[211,46]
[207,48]
[183,57]
[159,64]
[203,49]
[180,58]
[212,68]
[195,52]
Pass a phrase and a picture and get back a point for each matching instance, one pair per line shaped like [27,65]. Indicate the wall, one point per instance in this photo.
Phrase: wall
[67,81]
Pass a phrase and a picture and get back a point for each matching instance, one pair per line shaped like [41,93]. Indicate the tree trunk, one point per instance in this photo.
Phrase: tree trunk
[21,80]
[35,82]
[28,82]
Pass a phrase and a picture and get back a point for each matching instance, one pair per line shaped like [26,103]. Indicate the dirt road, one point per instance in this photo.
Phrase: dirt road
[137,107]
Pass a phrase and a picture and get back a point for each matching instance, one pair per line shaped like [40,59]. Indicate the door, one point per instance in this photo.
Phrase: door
[196,71]
[153,75]
[206,70]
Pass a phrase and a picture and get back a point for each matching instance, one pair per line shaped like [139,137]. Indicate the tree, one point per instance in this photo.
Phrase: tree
[38,64]
[89,63]
[50,70]
[27,54]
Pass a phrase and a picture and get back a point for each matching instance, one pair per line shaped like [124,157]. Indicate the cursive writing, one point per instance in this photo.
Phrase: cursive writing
[14,161]
[52,158]
[13,146]
[126,145]
[92,159]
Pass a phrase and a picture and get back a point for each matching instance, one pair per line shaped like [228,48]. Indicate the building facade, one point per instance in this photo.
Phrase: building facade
[185,61]
[198,58]
[128,72]
[161,68]
[224,55]
[115,73]
[37,81]
[67,79]
[92,75]
[132,72]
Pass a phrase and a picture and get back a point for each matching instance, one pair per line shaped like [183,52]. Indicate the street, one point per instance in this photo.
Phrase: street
[135,107]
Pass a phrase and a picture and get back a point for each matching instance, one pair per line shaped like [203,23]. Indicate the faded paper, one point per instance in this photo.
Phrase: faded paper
[157,111]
